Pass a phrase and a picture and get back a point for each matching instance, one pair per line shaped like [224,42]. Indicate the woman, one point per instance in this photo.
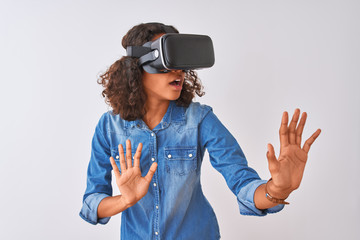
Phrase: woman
[165,136]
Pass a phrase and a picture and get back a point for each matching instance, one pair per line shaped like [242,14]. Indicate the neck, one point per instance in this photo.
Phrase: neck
[155,111]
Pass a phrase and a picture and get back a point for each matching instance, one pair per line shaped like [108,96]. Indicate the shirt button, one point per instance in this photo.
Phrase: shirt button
[152,134]
[152,159]
[156,233]
[154,184]
[117,156]
[169,156]
[190,155]
[157,207]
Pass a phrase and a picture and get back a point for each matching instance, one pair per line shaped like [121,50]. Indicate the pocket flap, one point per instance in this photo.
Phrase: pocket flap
[180,153]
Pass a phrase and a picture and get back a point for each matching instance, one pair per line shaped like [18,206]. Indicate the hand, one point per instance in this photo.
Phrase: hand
[131,184]
[288,169]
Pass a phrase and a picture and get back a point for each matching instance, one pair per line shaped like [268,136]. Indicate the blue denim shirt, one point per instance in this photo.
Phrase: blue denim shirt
[174,207]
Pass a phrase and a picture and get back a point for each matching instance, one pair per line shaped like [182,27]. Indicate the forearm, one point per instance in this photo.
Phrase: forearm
[260,200]
[111,206]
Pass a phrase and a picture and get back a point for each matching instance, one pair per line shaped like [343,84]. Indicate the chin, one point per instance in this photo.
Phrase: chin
[174,98]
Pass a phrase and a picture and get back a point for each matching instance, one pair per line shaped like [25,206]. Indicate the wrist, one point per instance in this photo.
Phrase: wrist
[277,192]
[122,202]
[125,202]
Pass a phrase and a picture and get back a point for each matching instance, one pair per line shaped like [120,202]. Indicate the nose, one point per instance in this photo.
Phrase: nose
[179,71]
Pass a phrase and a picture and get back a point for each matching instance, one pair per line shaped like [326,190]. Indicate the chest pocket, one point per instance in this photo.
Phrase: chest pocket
[180,160]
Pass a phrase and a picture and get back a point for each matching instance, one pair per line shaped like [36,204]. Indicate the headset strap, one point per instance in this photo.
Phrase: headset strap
[151,56]
[137,51]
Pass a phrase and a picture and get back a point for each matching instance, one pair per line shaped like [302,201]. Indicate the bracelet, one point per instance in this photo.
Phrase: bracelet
[272,199]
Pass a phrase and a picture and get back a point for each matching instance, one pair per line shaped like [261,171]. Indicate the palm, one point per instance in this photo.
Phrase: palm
[131,184]
[288,169]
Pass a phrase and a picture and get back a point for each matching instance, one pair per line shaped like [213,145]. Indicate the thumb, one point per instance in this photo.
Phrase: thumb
[272,161]
[151,172]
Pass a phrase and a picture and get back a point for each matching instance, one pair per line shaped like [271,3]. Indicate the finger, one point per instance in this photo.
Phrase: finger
[151,172]
[137,155]
[122,158]
[283,132]
[273,162]
[292,126]
[128,154]
[300,128]
[311,140]
[115,168]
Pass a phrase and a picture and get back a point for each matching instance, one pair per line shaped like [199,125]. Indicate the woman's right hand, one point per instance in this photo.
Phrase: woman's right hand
[131,184]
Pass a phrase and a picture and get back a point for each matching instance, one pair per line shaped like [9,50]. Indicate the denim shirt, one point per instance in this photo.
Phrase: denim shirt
[174,207]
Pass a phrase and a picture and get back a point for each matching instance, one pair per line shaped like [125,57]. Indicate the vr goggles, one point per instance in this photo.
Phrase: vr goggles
[174,51]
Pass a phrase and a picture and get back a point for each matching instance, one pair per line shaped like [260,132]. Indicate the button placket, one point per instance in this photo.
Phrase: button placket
[156,188]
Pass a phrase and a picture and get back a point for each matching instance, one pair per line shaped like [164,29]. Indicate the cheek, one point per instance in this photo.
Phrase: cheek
[154,80]
[155,83]
[148,81]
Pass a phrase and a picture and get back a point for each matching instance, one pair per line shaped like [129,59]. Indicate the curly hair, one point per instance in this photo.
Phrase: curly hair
[122,82]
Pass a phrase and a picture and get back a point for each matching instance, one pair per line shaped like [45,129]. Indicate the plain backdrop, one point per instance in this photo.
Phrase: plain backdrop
[271,56]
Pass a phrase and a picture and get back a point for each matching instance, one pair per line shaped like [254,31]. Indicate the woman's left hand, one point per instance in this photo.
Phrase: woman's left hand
[288,169]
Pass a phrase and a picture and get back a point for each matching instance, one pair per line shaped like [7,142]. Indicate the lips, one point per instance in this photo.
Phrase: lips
[176,82]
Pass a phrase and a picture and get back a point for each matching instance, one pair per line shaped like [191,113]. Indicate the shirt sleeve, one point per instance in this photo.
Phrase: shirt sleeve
[98,176]
[227,157]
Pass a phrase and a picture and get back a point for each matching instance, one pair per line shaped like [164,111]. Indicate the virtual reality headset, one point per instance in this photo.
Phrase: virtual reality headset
[174,51]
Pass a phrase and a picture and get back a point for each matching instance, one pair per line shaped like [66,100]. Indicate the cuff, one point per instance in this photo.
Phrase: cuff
[89,209]
[246,203]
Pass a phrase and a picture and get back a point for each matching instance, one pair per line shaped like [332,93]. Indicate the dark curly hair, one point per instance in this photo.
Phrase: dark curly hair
[122,82]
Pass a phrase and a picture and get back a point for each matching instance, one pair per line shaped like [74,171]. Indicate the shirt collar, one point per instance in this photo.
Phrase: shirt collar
[174,114]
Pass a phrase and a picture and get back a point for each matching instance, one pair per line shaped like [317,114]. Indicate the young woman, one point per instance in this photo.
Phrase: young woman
[154,141]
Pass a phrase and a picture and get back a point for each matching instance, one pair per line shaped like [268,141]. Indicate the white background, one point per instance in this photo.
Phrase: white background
[271,56]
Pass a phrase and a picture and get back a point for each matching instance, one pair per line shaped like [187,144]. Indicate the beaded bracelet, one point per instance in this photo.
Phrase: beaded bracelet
[272,199]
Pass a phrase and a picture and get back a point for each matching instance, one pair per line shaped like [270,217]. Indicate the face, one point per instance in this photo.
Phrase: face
[163,86]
